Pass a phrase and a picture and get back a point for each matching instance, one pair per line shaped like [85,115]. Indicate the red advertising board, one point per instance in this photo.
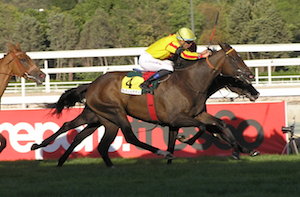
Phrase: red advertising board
[255,125]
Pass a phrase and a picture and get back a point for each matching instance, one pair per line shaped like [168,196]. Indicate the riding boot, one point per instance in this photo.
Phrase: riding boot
[158,75]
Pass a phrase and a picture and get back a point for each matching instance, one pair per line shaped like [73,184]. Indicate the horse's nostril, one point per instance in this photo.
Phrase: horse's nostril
[42,75]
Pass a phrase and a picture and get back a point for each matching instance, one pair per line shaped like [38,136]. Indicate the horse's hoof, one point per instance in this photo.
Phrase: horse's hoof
[181,138]
[170,156]
[236,155]
[254,153]
[166,154]
[34,146]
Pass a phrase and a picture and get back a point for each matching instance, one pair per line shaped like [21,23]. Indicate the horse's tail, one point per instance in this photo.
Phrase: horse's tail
[69,98]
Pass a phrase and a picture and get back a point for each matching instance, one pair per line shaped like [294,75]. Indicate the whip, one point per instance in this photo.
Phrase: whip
[214,30]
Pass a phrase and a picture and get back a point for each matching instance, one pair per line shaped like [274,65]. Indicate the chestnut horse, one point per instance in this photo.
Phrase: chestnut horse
[17,63]
[220,61]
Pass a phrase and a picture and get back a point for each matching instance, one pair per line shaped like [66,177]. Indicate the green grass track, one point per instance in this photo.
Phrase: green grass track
[265,175]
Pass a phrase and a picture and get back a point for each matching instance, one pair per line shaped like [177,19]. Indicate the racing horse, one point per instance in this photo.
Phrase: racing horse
[220,62]
[17,63]
[72,96]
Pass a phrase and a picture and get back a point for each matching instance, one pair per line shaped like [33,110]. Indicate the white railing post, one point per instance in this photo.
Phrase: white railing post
[269,74]
[136,61]
[256,76]
[47,78]
[23,89]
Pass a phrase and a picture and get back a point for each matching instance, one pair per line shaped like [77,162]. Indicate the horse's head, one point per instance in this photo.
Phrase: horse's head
[23,66]
[234,65]
[234,85]
[243,89]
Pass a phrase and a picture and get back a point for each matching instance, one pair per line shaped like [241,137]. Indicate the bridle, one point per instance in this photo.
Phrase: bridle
[217,68]
[23,72]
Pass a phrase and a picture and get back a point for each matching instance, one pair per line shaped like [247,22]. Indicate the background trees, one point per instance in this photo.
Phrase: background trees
[62,24]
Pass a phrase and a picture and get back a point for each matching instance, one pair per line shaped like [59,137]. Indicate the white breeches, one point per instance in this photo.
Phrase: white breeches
[148,63]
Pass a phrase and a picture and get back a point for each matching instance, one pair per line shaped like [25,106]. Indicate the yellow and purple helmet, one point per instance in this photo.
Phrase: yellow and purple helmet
[185,34]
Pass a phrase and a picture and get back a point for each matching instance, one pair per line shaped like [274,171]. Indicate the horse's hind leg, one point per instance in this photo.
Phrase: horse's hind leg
[88,130]
[110,134]
[85,117]
[2,143]
[132,139]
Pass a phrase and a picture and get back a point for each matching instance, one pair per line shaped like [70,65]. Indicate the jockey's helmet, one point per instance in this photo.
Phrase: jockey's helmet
[185,34]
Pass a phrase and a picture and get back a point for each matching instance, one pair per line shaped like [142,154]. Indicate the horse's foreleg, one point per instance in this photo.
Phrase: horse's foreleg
[173,132]
[88,130]
[2,143]
[223,132]
[186,121]
[191,140]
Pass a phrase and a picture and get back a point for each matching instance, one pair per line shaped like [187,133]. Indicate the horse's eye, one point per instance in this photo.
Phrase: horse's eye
[23,60]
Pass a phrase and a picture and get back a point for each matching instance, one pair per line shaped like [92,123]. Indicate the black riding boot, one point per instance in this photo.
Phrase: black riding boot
[158,75]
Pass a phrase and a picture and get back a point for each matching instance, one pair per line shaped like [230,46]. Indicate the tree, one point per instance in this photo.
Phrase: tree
[256,22]
[62,34]
[237,20]
[97,33]
[290,12]
[29,34]
[9,16]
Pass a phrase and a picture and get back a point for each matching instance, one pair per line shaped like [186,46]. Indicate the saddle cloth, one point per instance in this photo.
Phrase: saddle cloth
[131,82]
[130,85]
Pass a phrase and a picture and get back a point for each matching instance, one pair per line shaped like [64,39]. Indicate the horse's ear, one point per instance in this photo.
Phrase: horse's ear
[10,46]
[18,46]
[222,45]
[227,45]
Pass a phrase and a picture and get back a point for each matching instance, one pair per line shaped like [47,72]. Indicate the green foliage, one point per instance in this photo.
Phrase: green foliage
[256,22]
[29,34]
[64,4]
[125,23]
[9,16]
[62,32]
[290,12]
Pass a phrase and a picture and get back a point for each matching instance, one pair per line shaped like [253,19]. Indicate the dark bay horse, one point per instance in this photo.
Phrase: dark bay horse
[71,96]
[17,63]
[244,75]
[179,102]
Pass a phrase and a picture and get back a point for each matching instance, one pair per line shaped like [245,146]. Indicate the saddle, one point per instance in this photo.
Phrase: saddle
[131,82]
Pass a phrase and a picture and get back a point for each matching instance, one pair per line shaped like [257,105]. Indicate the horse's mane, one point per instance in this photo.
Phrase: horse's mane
[181,63]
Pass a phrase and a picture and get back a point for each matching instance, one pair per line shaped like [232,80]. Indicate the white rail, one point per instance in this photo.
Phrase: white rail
[136,51]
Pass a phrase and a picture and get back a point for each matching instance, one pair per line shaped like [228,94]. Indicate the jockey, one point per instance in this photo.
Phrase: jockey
[158,56]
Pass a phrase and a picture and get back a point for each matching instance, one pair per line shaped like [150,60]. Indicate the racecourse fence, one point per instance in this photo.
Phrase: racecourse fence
[270,80]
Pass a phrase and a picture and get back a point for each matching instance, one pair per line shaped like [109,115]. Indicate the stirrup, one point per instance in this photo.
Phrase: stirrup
[146,88]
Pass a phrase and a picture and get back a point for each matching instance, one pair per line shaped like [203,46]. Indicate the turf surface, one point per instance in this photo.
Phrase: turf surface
[265,175]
